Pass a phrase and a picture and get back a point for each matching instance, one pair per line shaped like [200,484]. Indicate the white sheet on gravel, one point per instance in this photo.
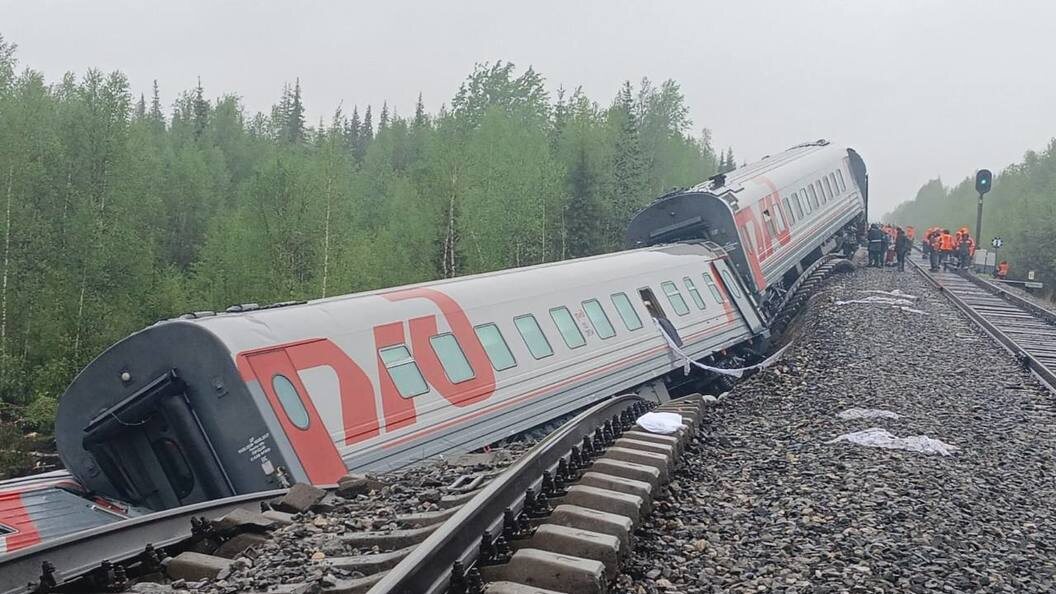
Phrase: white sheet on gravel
[866,413]
[660,422]
[875,437]
[878,300]
[895,293]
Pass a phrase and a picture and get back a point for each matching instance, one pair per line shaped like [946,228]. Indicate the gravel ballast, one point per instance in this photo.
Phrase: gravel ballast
[770,503]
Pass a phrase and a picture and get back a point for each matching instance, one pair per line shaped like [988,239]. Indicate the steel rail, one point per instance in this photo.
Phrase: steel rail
[78,554]
[1021,352]
[427,569]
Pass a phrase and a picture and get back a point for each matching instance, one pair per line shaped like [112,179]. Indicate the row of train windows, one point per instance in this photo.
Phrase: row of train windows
[408,378]
[801,204]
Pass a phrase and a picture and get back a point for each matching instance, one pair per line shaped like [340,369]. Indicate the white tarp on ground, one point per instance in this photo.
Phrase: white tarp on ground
[878,300]
[894,293]
[660,422]
[875,437]
[866,413]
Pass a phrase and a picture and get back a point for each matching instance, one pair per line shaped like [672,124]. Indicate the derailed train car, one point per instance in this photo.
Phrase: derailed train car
[212,405]
[774,217]
[215,404]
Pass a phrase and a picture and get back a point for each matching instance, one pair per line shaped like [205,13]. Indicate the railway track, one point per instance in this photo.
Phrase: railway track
[1022,327]
[559,519]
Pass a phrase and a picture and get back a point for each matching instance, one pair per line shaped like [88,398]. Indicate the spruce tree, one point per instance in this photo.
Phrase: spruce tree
[200,109]
[383,120]
[157,118]
[419,114]
[141,108]
[366,132]
[295,116]
[628,172]
[352,130]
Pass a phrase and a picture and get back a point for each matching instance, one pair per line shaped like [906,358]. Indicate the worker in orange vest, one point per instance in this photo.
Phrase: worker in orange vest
[1002,270]
[946,247]
[935,248]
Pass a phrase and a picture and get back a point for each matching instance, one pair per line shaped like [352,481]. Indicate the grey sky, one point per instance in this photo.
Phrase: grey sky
[920,87]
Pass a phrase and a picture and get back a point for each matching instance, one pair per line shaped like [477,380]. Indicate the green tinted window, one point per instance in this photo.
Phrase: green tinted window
[452,359]
[290,401]
[533,336]
[675,298]
[598,319]
[694,293]
[495,346]
[715,292]
[566,325]
[626,310]
[403,371]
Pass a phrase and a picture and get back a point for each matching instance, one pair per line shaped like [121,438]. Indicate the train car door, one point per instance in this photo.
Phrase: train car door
[740,297]
[152,448]
[298,416]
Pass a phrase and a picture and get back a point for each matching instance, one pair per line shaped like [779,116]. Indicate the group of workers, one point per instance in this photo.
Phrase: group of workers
[945,250]
[889,244]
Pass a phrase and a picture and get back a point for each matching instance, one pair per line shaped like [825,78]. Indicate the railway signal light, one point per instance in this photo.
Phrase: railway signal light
[983,180]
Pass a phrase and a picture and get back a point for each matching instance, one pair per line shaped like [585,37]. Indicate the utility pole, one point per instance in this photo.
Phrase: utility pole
[983,180]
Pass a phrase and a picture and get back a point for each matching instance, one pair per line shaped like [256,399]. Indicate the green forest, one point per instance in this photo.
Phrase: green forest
[1021,209]
[119,210]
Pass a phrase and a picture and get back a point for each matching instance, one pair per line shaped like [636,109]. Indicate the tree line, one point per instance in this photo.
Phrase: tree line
[118,211]
[1020,208]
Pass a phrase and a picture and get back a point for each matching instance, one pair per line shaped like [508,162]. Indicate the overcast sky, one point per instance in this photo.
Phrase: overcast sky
[920,87]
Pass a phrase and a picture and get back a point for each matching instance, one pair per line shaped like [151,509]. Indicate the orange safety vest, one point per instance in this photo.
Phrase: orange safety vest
[1002,269]
[910,232]
[946,242]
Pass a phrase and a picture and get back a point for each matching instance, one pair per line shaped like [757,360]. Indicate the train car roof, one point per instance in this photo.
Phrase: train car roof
[480,289]
[781,169]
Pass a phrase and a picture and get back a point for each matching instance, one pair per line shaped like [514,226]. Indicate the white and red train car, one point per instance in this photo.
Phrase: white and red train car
[211,405]
[774,216]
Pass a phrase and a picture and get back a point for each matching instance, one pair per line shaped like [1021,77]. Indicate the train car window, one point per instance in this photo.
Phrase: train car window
[839,178]
[769,222]
[821,192]
[623,307]
[403,371]
[731,285]
[805,200]
[797,203]
[495,346]
[568,328]
[788,209]
[813,199]
[290,401]
[533,336]
[828,186]
[452,359]
[598,319]
[715,292]
[694,293]
[674,297]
